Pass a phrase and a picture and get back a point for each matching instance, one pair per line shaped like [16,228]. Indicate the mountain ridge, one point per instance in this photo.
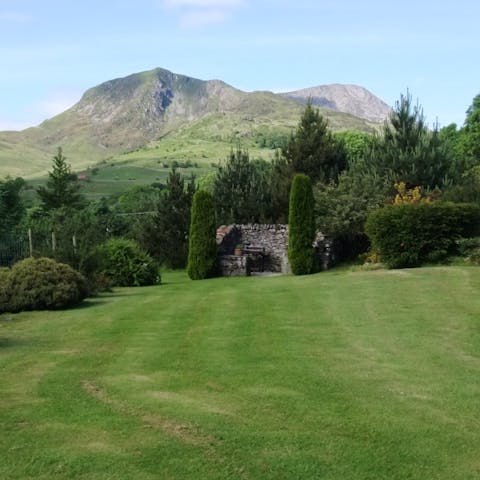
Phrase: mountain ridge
[347,98]
[124,114]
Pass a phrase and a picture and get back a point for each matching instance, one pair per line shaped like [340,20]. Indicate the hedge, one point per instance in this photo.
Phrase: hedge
[408,235]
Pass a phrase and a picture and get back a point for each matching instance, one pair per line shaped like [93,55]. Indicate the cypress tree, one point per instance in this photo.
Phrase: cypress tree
[301,226]
[202,245]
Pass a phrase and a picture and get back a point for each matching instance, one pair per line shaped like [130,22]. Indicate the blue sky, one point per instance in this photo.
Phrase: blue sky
[51,51]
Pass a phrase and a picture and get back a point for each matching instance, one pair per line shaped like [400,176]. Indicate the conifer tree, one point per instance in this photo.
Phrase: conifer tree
[168,233]
[202,251]
[301,226]
[62,189]
[312,149]
[240,189]
[408,151]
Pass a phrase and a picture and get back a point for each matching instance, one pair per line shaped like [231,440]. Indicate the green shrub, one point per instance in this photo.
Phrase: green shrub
[408,235]
[4,272]
[301,226]
[469,248]
[202,252]
[41,284]
[124,264]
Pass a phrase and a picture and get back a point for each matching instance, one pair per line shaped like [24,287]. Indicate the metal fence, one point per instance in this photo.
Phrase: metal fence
[12,249]
[15,247]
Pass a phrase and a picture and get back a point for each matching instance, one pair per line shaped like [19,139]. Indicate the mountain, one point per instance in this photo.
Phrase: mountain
[148,110]
[352,99]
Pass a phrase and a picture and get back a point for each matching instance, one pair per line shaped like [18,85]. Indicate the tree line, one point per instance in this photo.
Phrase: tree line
[352,174]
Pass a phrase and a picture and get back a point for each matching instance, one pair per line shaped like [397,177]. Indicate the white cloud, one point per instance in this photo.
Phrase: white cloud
[199,18]
[6,124]
[224,4]
[15,17]
[55,103]
[198,13]
[37,112]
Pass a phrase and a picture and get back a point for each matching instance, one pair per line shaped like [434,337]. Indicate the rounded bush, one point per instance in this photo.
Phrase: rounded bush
[202,252]
[41,284]
[125,264]
[301,226]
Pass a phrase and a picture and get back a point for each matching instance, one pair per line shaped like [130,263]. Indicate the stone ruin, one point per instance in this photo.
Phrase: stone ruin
[264,249]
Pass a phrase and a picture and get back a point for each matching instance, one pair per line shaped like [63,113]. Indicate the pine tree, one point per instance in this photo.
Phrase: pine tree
[408,151]
[168,233]
[312,149]
[61,190]
[11,204]
[240,190]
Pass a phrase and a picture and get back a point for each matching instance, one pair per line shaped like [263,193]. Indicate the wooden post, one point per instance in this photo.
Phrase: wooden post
[54,242]
[30,241]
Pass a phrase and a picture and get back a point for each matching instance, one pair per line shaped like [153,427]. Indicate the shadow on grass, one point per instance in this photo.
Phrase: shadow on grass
[87,303]
[6,342]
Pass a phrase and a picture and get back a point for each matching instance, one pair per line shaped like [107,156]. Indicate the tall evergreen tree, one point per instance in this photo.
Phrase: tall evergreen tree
[471,133]
[280,183]
[202,252]
[408,151]
[240,190]
[301,226]
[11,204]
[167,235]
[312,149]
[62,189]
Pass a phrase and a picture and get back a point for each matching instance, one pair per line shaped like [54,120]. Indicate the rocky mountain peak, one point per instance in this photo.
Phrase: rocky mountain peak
[352,99]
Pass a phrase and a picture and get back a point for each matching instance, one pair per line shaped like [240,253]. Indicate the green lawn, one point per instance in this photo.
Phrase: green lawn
[340,375]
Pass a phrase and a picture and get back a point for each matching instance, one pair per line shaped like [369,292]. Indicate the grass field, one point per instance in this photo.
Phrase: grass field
[340,375]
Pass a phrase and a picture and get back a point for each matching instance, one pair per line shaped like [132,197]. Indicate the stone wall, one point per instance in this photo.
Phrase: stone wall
[271,240]
[233,265]
[274,241]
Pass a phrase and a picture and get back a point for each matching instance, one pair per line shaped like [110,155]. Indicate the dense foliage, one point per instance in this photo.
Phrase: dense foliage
[240,190]
[410,234]
[301,226]
[40,284]
[202,245]
[408,151]
[312,149]
[11,204]
[165,236]
[62,189]
[352,173]
[124,264]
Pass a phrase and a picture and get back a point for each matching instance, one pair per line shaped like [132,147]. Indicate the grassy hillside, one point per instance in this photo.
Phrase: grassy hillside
[157,112]
[341,375]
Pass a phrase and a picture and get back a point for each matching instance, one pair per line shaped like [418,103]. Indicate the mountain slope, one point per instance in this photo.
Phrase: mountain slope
[351,99]
[142,110]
